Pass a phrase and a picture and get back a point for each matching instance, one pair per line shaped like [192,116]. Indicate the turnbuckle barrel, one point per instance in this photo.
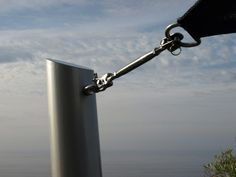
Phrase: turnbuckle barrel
[102,83]
[138,62]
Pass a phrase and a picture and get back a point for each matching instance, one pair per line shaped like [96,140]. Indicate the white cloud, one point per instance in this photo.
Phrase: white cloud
[210,63]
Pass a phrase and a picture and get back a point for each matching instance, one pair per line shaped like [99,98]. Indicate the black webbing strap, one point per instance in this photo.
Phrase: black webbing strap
[210,17]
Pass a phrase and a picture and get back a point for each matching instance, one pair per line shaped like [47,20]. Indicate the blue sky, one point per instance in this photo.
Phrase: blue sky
[52,14]
[184,103]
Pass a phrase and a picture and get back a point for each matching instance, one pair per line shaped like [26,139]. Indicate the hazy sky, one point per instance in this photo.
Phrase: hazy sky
[181,103]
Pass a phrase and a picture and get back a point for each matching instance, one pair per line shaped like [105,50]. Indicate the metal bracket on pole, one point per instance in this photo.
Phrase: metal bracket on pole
[171,42]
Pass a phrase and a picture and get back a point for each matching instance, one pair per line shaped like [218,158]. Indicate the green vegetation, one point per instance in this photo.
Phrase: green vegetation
[224,165]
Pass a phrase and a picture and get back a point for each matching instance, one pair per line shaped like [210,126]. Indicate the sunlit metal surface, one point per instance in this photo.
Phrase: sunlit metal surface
[75,150]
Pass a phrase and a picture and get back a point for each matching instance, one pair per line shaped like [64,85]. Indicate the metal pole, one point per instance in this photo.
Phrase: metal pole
[75,149]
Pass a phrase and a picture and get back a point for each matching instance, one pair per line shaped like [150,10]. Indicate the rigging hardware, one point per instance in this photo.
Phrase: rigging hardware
[171,42]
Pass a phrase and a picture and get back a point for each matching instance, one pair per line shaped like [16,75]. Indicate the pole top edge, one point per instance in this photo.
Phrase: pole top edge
[67,63]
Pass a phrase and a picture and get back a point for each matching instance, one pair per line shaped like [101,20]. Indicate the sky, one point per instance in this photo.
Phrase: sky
[179,103]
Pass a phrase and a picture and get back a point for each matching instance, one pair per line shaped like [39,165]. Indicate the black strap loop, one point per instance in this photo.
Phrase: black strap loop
[209,17]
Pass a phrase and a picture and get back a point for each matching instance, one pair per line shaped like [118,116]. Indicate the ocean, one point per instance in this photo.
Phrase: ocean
[154,164]
[114,164]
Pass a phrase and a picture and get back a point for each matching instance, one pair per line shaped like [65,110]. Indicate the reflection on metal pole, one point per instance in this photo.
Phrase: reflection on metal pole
[73,120]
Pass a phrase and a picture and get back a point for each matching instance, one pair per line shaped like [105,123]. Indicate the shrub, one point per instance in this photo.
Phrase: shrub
[224,165]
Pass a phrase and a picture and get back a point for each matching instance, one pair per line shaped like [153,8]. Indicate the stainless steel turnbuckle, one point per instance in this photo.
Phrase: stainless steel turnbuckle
[171,42]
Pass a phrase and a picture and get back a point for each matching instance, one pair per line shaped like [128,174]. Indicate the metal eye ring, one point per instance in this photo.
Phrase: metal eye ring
[182,44]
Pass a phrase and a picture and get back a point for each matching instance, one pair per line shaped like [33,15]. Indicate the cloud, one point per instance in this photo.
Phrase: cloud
[210,64]
[142,7]
[9,54]
[34,14]
[112,6]
[6,5]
